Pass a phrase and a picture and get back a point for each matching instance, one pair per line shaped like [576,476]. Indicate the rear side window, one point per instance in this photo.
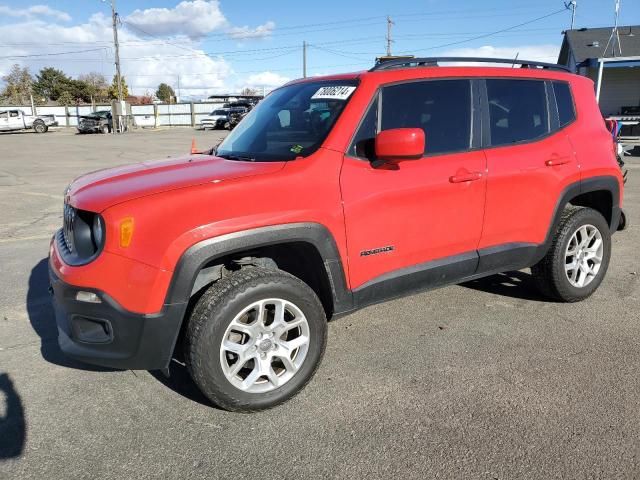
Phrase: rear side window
[564,101]
[517,110]
[442,108]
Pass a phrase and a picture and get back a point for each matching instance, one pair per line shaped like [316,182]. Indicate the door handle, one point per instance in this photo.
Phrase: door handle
[557,160]
[466,177]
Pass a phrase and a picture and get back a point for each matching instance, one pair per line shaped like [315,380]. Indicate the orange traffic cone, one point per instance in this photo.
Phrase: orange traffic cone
[194,150]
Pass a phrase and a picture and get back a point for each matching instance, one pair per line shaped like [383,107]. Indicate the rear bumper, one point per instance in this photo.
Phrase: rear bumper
[106,334]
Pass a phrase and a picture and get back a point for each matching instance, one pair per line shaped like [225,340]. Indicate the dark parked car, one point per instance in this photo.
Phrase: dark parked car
[96,122]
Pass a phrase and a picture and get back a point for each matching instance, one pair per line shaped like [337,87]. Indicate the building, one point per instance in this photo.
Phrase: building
[615,71]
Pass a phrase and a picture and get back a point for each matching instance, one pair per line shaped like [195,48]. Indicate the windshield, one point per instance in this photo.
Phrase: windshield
[219,112]
[290,122]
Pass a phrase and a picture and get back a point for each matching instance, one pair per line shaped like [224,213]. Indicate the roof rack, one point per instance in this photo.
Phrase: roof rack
[433,62]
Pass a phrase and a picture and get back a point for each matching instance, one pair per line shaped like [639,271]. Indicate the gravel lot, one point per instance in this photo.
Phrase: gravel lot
[484,380]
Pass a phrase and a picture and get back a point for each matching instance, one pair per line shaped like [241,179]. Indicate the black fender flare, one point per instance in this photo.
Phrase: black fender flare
[592,184]
[206,251]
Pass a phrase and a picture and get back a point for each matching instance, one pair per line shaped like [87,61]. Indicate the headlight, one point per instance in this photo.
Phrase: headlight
[82,236]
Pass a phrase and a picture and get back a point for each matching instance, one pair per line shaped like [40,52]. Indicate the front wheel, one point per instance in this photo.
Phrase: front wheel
[255,339]
[578,258]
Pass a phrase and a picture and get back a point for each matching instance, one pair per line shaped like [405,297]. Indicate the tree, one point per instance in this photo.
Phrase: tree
[18,85]
[248,92]
[97,86]
[66,99]
[51,83]
[165,92]
[113,88]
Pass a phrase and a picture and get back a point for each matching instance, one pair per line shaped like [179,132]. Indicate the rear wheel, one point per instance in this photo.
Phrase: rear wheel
[40,127]
[578,258]
[255,339]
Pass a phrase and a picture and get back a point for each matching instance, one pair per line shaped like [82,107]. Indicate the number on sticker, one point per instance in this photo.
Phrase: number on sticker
[336,92]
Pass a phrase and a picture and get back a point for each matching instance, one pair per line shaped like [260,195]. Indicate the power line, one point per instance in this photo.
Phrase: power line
[54,53]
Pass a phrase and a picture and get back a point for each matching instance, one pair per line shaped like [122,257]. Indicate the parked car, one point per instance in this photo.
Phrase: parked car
[96,122]
[13,120]
[412,174]
[216,119]
[234,119]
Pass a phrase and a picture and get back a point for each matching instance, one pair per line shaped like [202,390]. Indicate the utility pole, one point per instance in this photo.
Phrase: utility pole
[304,59]
[114,18]
[389,41]
[573,4]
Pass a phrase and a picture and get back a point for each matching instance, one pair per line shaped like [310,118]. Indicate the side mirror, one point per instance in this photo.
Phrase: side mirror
[400,144]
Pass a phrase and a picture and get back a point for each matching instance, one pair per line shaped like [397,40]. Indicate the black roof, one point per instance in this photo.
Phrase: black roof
[588,43]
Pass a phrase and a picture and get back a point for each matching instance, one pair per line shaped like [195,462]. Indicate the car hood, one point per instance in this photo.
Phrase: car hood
[214,117]
[102,189]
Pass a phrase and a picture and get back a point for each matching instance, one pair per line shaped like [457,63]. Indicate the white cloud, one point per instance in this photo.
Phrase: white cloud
[145,62]
[35,11]
[268,80]
[260,31]
[539,53]
[191,18]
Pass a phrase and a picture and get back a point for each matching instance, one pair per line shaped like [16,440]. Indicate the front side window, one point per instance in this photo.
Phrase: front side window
[363,145]
[517,110]
[442,108]
[290,122]
[564,101]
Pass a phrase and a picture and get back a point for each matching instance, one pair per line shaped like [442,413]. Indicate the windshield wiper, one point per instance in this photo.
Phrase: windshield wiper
[243,158]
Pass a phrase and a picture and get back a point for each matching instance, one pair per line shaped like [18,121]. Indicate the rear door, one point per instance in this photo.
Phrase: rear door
[530,160]
[417,211]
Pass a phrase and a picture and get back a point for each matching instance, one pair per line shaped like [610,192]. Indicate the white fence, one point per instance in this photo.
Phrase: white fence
[169,115]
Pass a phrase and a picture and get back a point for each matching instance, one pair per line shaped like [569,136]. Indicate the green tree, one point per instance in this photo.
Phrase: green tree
[113,88]
[165,92]
[66,99]
[51,83]
[18,85]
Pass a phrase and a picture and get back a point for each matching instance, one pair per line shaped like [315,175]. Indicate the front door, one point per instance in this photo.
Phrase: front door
[402,219]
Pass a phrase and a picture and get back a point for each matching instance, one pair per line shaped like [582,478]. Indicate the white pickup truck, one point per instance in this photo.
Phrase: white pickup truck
[11,120]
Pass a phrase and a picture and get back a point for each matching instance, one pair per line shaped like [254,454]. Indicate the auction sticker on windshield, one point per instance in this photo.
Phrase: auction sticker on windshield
[334,92]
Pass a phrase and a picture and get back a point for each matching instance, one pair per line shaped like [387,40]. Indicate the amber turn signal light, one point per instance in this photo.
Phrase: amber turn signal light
[126,232]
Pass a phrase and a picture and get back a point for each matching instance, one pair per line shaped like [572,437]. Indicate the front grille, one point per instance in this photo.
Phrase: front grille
[69,215]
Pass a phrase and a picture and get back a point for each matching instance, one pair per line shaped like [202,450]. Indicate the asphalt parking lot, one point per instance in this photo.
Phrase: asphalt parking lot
[484,380]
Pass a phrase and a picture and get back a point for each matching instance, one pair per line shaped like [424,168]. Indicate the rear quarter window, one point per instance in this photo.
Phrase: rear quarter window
[564,102]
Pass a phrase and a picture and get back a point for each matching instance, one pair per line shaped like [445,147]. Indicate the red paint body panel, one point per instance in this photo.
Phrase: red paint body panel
[104,188]
[427,209]
[413,207]
[522,191]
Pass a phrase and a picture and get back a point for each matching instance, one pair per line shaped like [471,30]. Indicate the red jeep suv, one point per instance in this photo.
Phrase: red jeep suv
[335,193]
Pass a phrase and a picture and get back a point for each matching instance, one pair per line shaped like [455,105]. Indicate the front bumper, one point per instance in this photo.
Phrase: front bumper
[108,335]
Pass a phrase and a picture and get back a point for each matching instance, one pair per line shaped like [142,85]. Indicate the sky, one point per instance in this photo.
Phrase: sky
[202,47]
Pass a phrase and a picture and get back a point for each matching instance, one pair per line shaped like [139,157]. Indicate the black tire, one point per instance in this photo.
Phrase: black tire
[40,127]
[550,275]
[104,129]
[217,308]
